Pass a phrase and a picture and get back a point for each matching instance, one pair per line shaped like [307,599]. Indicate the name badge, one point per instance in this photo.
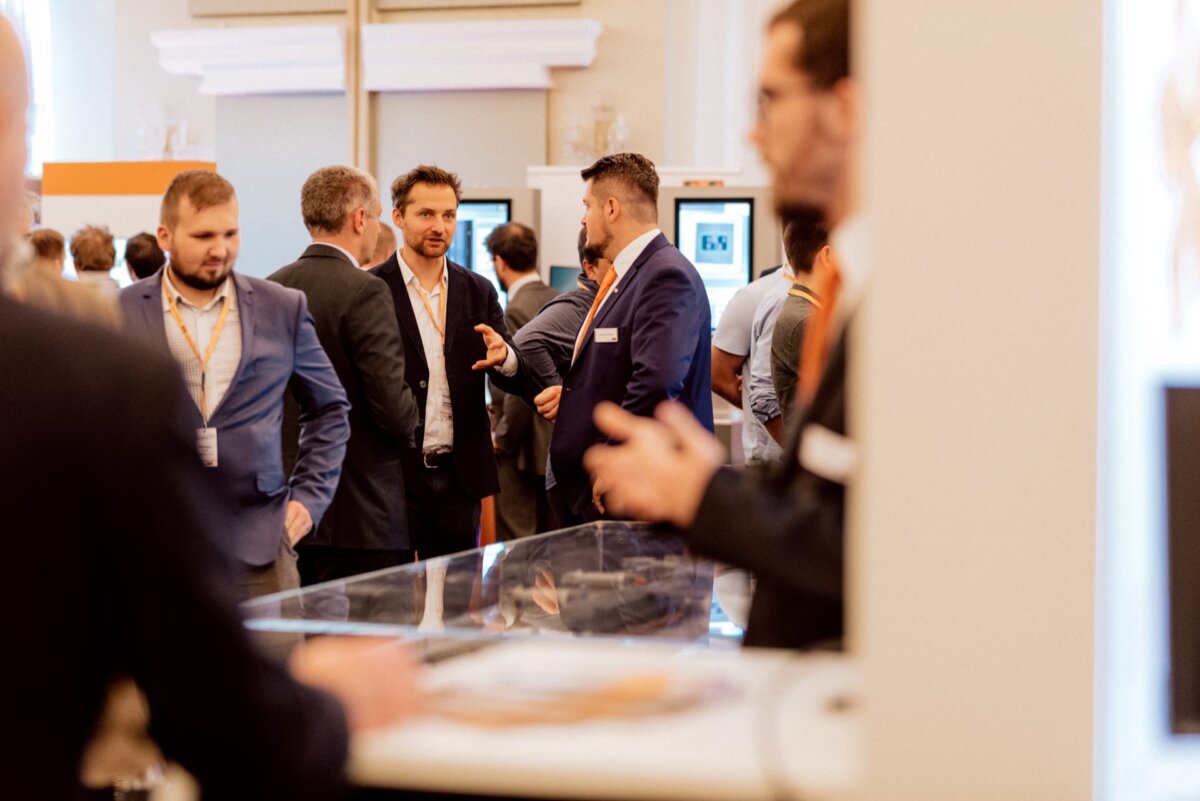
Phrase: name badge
[606,335]
[206,446]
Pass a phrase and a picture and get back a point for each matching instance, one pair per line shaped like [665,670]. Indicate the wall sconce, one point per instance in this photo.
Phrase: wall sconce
[606,132]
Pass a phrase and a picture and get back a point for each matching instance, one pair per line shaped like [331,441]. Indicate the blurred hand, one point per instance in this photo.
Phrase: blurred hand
[297,522]
[497,348]
[373,677]
[546,401]
[661,468]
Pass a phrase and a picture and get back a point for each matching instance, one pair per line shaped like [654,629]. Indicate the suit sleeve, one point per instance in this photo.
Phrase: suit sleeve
[374,335]
[237,721]
[516,382]
[324,419]
[664,338]
[788,531]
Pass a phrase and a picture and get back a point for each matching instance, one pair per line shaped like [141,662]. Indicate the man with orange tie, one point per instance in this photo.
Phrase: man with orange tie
[646,338]
[785,525]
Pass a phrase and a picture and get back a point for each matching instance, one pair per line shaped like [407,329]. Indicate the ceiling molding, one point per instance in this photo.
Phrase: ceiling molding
[516,54]
[398,57]
[257,60]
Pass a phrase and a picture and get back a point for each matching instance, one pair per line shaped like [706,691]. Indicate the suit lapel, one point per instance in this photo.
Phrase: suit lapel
[624,286]
[245,301]
[389,271]
[458,285]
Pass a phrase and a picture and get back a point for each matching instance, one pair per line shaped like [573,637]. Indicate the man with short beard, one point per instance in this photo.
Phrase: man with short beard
[241,342]
[454,335]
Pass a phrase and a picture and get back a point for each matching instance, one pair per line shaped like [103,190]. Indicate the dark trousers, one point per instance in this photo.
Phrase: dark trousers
[356,601]
[442,517]
[522,507]
[319,563]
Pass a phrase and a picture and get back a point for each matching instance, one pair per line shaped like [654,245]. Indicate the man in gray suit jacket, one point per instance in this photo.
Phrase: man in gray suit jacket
[366,526]
[241,342]
[521,438]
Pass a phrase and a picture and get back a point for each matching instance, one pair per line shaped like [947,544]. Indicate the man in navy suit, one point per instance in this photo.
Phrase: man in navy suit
[645,340]
[454,335]
[240,343]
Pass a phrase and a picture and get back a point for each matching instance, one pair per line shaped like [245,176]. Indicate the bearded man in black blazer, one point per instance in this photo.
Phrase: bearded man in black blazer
[454,335]
[366,525]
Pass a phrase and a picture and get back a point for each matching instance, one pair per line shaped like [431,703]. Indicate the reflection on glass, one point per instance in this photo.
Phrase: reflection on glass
[602,579]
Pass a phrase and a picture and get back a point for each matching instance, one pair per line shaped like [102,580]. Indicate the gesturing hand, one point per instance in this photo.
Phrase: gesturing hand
[497,348]
[661,468]
[546,401]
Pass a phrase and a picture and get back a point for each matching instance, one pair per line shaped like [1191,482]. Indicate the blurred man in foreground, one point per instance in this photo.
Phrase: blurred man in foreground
[786,526]
[109,570]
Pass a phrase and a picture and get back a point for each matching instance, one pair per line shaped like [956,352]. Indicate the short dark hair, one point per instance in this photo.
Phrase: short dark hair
[47,243]
[143,255]
[423,174]
[516,244]
[589,253]
[202,188]
[805,232]
[92,249]
[634,174]
[824,51]
[330,194]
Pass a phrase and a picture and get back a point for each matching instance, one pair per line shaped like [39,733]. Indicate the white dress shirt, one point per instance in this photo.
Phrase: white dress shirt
[439,415]
[200,322]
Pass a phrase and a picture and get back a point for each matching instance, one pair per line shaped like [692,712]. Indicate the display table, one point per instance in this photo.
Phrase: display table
[595,662]
[730,725]
[605,579]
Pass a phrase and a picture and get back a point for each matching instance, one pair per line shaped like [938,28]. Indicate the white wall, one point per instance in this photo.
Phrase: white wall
[678,70]
[82,35]
[973,523]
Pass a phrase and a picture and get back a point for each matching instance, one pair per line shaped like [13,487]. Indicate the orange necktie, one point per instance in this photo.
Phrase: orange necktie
[826,284]
[609,279]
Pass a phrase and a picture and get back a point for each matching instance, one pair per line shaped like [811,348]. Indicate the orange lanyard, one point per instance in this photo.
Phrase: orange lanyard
[438,322]
[212,345]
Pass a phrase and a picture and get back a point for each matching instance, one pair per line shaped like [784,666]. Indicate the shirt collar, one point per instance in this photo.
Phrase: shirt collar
[226,288]
[629,254]
[524,280]
[410,276]
[341,250]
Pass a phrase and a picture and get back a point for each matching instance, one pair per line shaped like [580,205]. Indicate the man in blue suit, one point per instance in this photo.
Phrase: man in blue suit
[241,343]
[646,338]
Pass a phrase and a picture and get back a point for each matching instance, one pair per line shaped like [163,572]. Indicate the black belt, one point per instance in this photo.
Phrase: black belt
[434,461]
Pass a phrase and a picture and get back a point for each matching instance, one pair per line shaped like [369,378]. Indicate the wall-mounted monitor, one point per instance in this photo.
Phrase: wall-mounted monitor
[481,211]
[716,235]
[564,278]
[477,219]
[729,233]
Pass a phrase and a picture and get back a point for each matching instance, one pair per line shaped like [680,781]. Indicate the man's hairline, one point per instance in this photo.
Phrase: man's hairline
[451,187]
[179,204]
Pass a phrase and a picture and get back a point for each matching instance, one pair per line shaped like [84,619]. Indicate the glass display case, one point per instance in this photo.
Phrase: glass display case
[604,579]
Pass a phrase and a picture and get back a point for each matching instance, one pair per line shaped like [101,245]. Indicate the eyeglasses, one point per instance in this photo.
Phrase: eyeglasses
[770,95]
